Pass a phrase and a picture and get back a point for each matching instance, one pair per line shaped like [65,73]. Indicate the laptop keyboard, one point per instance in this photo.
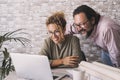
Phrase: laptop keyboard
[55,77]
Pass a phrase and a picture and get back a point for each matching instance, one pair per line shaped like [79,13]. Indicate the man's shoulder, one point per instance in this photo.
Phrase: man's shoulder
[106,23]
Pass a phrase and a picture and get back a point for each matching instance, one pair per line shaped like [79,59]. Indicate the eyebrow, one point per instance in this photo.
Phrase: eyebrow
[81,22]
[53,31]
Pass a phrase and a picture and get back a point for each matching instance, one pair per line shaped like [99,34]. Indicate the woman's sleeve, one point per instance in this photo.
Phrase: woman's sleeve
[76,49]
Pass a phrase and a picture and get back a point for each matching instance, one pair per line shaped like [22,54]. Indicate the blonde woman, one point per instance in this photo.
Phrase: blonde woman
[62,50]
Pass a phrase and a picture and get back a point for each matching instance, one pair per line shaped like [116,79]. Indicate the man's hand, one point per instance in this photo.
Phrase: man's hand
[71,61]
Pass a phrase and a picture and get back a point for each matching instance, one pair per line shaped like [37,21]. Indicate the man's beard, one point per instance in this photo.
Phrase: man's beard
[82,30]
[88,33]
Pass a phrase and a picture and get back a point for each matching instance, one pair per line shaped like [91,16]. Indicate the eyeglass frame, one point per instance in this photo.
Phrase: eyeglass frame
[55,32]
[79,25]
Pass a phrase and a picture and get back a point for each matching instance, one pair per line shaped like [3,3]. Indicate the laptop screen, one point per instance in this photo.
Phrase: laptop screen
[33,67]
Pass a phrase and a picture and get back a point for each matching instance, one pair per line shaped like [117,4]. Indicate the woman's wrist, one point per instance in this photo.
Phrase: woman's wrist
[62,61]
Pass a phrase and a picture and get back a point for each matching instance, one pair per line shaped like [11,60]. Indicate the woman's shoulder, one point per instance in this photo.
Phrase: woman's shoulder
[47,40]
[71,37]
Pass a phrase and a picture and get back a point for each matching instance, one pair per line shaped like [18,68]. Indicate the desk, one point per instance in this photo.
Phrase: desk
[93,71]
[13,76]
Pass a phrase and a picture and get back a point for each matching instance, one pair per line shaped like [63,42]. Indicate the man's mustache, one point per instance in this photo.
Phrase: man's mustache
[82,30]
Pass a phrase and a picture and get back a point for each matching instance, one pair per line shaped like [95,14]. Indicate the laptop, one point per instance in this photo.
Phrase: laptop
[33,67]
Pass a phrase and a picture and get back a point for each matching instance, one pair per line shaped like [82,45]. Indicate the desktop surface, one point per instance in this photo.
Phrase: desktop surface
[13,76]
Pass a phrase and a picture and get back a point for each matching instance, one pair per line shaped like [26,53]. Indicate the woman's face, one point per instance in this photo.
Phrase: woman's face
[55,33]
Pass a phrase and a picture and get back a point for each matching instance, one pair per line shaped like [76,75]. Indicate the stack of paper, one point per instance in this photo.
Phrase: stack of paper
[99,71]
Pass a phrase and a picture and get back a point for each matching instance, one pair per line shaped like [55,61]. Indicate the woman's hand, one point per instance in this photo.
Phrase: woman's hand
[71,61]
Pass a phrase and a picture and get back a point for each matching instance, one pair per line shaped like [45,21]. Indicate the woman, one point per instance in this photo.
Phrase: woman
[62,50]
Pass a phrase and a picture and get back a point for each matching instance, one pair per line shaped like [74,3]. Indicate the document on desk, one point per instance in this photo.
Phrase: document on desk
[61,73]
[94,78]
[59,76]
[87,76]
[70,71]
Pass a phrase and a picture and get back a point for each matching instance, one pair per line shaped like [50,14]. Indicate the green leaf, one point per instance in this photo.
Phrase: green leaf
[6,54]
[10,36]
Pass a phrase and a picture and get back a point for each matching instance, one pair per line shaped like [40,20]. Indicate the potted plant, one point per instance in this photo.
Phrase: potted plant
[7,66]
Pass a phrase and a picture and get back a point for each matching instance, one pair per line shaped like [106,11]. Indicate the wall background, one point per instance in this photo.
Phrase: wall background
[31,14]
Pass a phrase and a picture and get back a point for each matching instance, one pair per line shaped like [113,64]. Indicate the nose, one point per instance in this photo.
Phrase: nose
[54,35]
[82,26]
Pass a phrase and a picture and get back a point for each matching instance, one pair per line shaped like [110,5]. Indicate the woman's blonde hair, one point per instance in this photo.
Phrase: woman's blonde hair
[57,18]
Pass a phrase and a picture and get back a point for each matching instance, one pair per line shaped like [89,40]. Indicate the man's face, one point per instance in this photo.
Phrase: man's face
[82,24]
[55,33]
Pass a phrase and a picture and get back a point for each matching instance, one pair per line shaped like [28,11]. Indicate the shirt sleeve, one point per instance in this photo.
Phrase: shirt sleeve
[76,49]
[70,30]
[111,40]
[46,49]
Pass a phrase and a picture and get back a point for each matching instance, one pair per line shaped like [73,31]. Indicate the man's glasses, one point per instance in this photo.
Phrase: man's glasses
[56,32]
[81,24]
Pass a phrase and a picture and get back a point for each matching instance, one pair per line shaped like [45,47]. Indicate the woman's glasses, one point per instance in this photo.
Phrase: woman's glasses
[56,32]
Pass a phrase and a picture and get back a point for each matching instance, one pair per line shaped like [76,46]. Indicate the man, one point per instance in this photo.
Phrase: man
[103,31]
[62,50]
